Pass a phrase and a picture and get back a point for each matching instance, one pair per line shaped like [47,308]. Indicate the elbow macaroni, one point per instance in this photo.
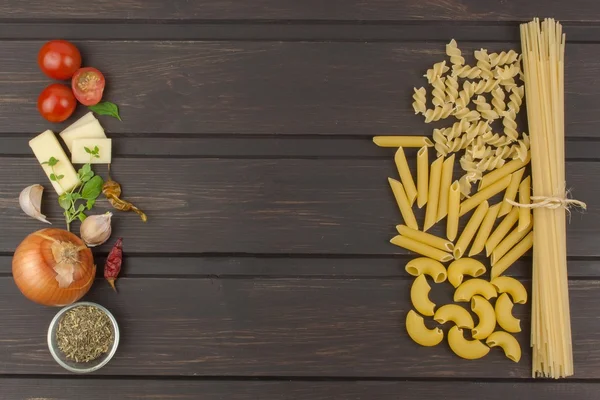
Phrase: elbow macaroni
[467,349]
[419,296]
[470,288]
[487,317]
[456,314]
[507,342]
[464,266]
[504,314]
[415,326]
[427,266]
[516,290]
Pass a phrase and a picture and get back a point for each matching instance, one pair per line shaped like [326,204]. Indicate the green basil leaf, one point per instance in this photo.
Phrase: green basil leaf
[82,217]
[87,150]
[64,201]
[92,188]
[53,177]
[106,108]
[60,177]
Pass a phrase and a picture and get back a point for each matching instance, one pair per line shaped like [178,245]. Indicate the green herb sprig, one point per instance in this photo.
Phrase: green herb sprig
[83,196]
[106,108]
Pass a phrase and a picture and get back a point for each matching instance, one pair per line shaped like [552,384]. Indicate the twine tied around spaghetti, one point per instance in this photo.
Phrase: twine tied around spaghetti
[551,202]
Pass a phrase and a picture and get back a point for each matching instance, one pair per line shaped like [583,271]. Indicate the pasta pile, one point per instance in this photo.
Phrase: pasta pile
[475,96]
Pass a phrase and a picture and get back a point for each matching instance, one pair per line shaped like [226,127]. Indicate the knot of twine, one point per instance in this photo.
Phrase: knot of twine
[551,202]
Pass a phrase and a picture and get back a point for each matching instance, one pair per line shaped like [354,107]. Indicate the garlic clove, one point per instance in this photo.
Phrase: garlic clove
[96,229]
[30,201]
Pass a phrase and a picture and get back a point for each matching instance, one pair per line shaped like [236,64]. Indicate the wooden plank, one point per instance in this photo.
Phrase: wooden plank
[277,327]
[95,389]
[288,88]
[452,10]
[207,206]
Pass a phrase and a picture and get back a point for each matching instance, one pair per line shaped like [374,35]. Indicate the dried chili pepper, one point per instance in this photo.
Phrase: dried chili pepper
[113,263]
[112,191]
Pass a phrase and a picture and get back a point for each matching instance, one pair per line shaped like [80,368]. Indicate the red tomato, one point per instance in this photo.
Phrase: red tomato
[56,103]
[88,86]
[59,59]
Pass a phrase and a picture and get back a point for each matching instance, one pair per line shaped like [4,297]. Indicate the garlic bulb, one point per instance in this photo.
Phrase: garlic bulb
[30,201]
[96,229]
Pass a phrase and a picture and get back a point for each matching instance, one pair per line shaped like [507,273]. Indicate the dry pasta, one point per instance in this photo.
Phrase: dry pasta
[501,231]
[439,92]
[483,63]
[485,109]
[511,191]
[500,173]
[402,141]
[498,103]
[445,182]
[484,230]
[484,194]
[421,248]
[503,58]
[508,243]
[453,211]
[419,296]
[405,175]
[524,198]
[513,255]
[403,203]
[454,53]
[438,113]
[419,103]
[424,237]
[436,71]
[435,175]
[469,232]
[422,177]
[427,266]
[451,88]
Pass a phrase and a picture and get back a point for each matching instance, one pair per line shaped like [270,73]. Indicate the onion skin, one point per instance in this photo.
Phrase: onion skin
[34,264]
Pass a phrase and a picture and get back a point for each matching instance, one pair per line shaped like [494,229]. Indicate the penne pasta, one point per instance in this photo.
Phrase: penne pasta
[424,237]
[501,231]
[511,192]
[403,204]
[402,141]
[524,198]
[435,176]
[445,182]
[422,176]
[484,194]
[503,172]
[513,255]
[405,176]
[453,211]
[421,248]
[508,243]
[469,232]
[484,230]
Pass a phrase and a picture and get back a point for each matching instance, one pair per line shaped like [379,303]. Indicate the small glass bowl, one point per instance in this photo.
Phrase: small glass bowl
[81,367]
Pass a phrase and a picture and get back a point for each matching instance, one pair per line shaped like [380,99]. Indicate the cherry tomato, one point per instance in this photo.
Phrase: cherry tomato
[88,86]
[56,102]
[59,59]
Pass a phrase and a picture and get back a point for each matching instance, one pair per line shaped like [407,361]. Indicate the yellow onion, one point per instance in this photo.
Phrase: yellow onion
[53,267]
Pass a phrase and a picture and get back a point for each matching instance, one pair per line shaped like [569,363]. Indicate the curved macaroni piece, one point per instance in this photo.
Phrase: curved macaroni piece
[465,266]
[487,317]
[467,349]
[485,109]
[418,332]
[454,53]
[465,113]
[454,313]
[420,99]
[472,287]
[451,88]
[508,343]
[484,64]
[438,92]
[485,86]
[503,58]
[506,284]
[515,99]
[436,71]
[427,266]
[424,237]
[438,113]
[419,296]
[498,103]
[504,315]
[466,71]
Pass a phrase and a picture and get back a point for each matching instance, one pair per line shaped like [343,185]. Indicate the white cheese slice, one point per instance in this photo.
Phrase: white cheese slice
[80,156]
[87,131]
[45,146]
[89,117]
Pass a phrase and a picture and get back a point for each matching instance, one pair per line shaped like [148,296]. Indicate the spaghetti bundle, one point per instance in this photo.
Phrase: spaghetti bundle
[543,48]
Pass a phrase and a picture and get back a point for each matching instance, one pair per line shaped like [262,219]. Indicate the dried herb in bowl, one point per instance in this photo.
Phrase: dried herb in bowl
[84,333]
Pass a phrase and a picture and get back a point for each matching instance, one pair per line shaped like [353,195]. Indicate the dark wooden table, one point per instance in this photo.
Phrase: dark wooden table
[265,270]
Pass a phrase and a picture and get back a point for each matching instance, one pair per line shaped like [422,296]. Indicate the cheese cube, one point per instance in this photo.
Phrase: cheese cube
[90,130]
[89,117]
[45,146]
[80,156]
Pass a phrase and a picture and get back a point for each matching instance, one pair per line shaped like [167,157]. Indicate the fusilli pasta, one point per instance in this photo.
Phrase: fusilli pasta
[419,98]
[465,113]
[485,109]
[510,125]
[483,63]
[507,72]
[516,98]
[454,53]
[485,86]
[498,103]
[438,113]
[466,71]
[436,71]
[439,92]
[451,88]
[503,58]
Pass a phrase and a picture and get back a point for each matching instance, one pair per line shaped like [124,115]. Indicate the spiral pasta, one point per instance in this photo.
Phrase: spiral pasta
[484,64]
[419,98]
[498,103]
[477,129]
[451,88]
[438,113]
[439,92]
[520,149]
[485,109]
[485,86]
[510,125]
[509,84]
[465,95]
[515,99]
[505,57]
[436,71]
[466,71]
[465,113]
[489,163]
[495,139]
[454,53]
[507,72]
